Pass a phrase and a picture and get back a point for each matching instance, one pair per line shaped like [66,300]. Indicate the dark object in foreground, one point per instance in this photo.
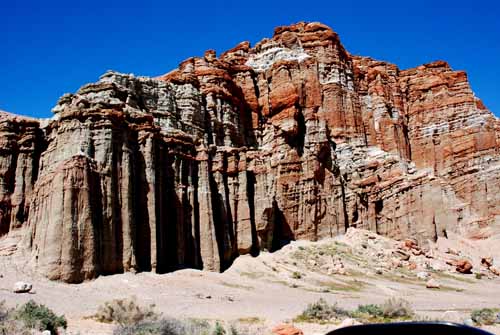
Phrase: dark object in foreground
[410,328]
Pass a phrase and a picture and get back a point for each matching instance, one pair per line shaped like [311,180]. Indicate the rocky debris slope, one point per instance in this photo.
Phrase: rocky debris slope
[361,260]
[293,138]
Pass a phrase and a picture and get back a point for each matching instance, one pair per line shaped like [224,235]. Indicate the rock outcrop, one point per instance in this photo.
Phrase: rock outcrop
[293,138]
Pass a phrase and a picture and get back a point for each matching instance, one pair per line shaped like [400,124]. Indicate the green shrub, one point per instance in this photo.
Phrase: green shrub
[485,316]
[394,308]
[296,275]
[370,309]
[478,275]
[35,316]
[321,311]
[218,329]
[125,312]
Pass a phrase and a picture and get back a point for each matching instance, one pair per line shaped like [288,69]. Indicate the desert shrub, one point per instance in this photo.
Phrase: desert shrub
[171,326]
[140,328]
[218,329]
[485,316]
[370,310]
[12,326]
[248,326]
[197,326]
[394,308]
[125,312]
[38,316]
[8,324]
[233,330]
[157,327]
[296,275]
[322,311]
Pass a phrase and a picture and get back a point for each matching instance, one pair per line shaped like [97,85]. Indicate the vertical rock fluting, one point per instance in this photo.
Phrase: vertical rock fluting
[293,138]
[21,143]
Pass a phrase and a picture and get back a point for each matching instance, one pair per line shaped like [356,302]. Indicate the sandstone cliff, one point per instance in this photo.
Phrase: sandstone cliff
[293,138]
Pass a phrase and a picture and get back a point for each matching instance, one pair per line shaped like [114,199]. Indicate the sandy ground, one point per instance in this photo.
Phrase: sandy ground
[264,288]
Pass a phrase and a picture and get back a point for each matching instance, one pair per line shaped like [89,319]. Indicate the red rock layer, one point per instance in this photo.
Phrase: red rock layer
[293,138]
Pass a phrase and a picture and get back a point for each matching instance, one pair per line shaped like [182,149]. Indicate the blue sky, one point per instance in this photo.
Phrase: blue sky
[52,47]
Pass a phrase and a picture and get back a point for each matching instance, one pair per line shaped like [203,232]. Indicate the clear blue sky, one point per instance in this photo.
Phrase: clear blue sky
[52,47]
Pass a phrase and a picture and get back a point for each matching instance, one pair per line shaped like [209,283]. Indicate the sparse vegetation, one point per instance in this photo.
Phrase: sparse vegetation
[397,308]
[134,319]
[238,286]
[253,275]
[346,285]
[219,330]
[391,310]
[296,275]
[445,275]
[170,326]
[9,325]
[250,320]
[485,316]
[28,318]
[369,310]
[38,316]
[165,326]
[126,312]
[321,311]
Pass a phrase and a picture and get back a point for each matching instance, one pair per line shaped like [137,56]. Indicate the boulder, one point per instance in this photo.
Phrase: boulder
[432,283]
[452,252]
[423,275]
[396,263]
[417,252]
[463,266]
[494,270]
[487,261]
[469,322]
[286,329]
[402,255]
[411,243]
[22,287]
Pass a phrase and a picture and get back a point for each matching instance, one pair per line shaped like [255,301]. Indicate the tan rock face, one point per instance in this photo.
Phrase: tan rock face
[21,143]
[293,138]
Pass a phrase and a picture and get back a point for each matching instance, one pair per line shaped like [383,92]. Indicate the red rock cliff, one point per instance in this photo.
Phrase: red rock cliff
[293,138]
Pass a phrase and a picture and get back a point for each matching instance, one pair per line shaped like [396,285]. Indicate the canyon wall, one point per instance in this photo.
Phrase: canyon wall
[293,138]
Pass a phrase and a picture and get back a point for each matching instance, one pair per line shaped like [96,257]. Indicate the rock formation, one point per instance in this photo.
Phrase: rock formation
[293,138]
